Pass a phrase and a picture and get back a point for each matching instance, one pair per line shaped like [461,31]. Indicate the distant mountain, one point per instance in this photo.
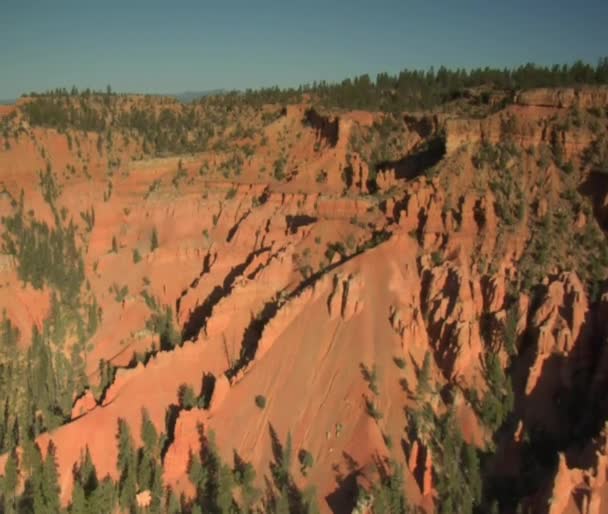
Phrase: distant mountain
[188,96]
[7,102]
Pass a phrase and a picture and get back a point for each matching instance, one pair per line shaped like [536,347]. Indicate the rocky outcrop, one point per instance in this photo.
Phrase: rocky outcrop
[386,179]
[7,263]
[454,303]
[525,126]
[345,299]
[187,441]
[559,323]
[327,128]
[565,98]
[123,376]
[220,391]
[360,174]
[584,488]
[84,404]
[257,322]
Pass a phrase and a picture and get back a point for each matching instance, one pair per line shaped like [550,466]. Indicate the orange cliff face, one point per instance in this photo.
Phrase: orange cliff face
[292,270]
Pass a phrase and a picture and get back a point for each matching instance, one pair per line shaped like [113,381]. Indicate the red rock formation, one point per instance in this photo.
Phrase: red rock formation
[227,266]
[564,98]
[84,404]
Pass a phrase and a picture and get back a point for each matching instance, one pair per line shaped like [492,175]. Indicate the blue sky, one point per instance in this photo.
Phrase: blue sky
[175,46]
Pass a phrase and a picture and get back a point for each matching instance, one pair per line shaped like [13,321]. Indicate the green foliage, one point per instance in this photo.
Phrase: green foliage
[457,469]
[498,400]
[106,374]
[49,486]
[197,473]
[436,258]
[487,154]
[388,496]
[9,484]
[213,479]
[510,329]
[38,385]
[154,240]
[333,248]
[136,256]
[260,401]
[120,293]
[306,461]
[162,322]
[45,255]
[126,464]
[596,155]
[244,476]
[107,194]
[424,377]
[372,409]
[88,217]
[399,362]
[149,435]
[125,446]
[49,187]
[370,375]
[279,168]
[152,188]
[186,397]
[179,176]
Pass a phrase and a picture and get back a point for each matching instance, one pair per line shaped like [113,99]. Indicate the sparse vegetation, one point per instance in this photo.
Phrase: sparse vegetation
[120,293]
[511,220]
[306,461]
[260,401]
[154,240]
[400,362]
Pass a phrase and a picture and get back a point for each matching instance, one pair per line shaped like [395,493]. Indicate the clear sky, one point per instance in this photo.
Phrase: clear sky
[193,45]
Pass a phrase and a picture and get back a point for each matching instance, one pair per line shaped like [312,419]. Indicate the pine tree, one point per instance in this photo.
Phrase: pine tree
[149,435]
[310,505]
[472,472]
[157,490]
[10,483]
[103,498]
[249,494]
[126,465]
[126,455]
[32,460]
[128,488]
[88,473]
[424,376]
[388,495]
[286,456]
[282,502]
[197,473]
[145,470]
[79,501]
[173,506]
[50,482]
[187,398]
[225,483]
